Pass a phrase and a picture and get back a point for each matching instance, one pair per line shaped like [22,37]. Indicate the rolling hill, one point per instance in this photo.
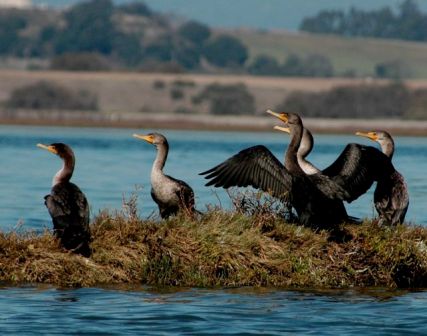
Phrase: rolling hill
[359,55]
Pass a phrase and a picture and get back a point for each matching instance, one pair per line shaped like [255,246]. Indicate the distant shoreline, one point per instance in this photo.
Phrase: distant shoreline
[204,122]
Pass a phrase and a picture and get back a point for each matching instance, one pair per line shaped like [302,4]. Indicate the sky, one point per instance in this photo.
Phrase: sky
[262,14]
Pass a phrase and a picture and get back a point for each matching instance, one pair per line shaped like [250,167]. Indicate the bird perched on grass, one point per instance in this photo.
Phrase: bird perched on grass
[170,194]
[391,197]
[67,204]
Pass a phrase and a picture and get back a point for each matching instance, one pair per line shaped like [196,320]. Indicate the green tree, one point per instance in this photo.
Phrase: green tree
[195,32]
[225,51]
[265,65]
[89,28]
[187,56]
[127,48]
[10,40]
[160,50]
[409,23]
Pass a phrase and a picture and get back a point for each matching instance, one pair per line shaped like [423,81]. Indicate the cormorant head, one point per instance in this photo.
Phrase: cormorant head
[62,150]
[155,139]
[289,118]
[382,137]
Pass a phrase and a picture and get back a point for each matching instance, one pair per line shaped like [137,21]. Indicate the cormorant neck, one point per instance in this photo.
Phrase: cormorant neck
[65,173]
[291,160]
[387,147]
[307,166]
[162,154]
[304,149]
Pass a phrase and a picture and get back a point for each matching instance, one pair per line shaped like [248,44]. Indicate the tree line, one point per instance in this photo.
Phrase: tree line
[99,27]
[97,35]
[407,23]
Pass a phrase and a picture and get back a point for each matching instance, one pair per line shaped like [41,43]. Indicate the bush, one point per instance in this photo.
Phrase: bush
[51,96]
[363,101]
[158,84]
[183,83]
[313,65]
[225,51]
[227,99]
[183,110]
[151,65]
[265,65]
[80,62]
[176,94]
[392,69]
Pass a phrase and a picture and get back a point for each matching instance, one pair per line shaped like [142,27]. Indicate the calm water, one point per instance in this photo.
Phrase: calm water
[112,165]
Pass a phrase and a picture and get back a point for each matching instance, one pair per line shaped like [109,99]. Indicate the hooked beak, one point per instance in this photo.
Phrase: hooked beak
[282,116]
[48,148]
[371,135]
[147,138]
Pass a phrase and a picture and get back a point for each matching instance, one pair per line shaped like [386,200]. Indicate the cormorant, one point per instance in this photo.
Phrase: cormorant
[316,198]
[170,194]
[67,205]
[391,196]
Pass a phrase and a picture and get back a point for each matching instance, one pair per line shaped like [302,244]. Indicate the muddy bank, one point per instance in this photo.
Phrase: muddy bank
[203,122]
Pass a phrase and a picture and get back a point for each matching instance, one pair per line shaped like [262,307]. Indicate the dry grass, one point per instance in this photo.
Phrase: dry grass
[122,93]
[221,248]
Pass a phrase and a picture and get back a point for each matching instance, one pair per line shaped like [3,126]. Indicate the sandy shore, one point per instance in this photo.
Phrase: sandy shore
[204,122]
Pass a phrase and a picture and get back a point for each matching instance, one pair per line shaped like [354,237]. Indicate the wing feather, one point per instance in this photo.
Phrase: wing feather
[357,168]
[255,166]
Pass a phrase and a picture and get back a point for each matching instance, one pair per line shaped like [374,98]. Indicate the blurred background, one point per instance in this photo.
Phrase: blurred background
[151,62]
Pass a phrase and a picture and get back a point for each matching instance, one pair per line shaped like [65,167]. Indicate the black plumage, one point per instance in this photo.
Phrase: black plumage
[316,198]
[67,205]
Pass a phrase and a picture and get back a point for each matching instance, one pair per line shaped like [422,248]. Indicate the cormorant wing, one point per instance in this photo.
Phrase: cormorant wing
[66,199]
[357,168]
[255,166]
[184,192]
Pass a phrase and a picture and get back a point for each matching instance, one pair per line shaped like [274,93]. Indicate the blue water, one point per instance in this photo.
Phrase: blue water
[111,165]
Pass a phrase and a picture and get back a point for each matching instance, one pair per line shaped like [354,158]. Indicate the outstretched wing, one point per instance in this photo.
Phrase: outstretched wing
[255,166]
[357,168]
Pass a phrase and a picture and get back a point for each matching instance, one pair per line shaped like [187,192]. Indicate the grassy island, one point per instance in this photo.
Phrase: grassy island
[221,248]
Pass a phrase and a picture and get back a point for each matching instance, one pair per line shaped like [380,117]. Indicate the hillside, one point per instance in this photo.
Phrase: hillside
[346,54]
[99,35]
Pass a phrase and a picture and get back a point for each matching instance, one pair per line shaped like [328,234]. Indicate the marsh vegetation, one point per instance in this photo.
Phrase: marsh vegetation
[251,245]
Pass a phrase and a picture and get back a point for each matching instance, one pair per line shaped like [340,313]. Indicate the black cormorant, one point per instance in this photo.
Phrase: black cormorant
[67,205]
[316,198]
